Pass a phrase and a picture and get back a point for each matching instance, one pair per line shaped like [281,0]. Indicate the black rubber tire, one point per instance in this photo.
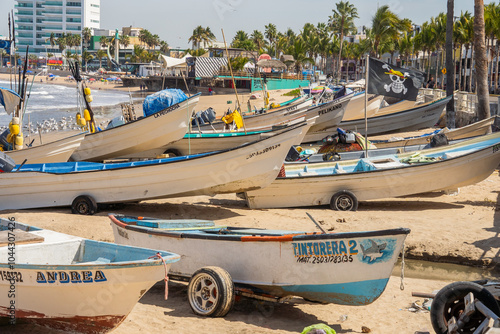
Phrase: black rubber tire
[84,205]
[211,292]
[449,302]
[172,152]
[344,201]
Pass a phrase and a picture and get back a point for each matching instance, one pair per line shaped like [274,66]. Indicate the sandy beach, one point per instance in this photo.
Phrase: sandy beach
[460,228]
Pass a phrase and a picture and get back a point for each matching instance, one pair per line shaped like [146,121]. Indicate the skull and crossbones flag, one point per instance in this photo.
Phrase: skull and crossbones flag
[388,80]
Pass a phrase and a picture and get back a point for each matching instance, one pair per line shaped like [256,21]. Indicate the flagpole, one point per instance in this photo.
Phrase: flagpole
[366,104]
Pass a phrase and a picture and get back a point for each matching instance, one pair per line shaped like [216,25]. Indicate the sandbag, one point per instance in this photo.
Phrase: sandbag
[161,100]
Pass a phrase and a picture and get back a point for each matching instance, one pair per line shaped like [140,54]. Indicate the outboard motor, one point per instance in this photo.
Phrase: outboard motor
[7,164]
[203,117]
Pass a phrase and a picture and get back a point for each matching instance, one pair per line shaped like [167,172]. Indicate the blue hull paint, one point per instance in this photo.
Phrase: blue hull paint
[355,293]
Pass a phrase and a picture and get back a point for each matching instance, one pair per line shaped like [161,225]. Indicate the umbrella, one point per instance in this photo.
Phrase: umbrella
[51,75]
[271,63]
[319,89]
[28,71]
[91,79]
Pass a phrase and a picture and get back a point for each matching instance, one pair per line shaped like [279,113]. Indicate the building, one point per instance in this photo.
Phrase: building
[36,20]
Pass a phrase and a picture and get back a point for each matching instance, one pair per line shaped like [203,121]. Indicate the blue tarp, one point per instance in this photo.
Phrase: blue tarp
[162,100]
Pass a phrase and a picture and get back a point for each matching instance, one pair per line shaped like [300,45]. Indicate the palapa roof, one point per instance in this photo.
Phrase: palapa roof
[271,63]
[287,59]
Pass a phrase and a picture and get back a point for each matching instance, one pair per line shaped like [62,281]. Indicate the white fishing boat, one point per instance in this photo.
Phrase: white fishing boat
[343,268]
[84,184]
[343,183]
[56,151]
[419,117]
[156,130]
[69,283]
[478,128]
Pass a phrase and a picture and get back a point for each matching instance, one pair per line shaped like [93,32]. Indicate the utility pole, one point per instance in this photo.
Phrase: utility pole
[450,67]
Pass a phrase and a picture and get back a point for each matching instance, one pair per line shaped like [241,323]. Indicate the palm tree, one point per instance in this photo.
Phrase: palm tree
[86,57]
[461,34]
[144,36]
[258,39]
[386,25]
[164,47]
[196,37]
[438,28]
[100,54]
[481,60]
[342,21]
[104,41]
[125,41]
[298,51]
[52,40]
[87,35]
[61,42]
[271,34]
[208,37]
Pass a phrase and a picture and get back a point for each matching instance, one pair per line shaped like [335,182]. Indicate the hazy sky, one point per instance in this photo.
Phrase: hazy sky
[174,21]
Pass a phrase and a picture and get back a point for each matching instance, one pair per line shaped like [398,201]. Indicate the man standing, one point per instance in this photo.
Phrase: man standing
[430,83]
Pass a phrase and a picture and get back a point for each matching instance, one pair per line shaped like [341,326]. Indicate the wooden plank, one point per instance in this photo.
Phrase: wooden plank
[18,237]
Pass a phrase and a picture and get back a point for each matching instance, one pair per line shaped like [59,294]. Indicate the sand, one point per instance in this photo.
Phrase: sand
[458,228]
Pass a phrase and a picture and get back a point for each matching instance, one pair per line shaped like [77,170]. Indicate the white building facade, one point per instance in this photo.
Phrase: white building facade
[36,20]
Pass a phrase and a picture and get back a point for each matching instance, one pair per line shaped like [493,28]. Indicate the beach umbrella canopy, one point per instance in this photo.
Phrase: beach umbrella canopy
[271,63]
[28,71]
[92,79]
[264,56]
[319,89]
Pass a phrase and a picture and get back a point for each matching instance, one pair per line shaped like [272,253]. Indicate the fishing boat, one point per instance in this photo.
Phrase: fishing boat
[416,118]
[56,151]
[356,108]
[155,130]
[84,184]
[69,283]
[344,268]
[343,183]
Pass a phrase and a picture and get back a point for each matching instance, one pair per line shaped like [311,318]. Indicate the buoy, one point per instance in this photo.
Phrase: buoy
[86,91]
[15,129]
[9,138]
[15,120]
[19,140]
[88,98]
[78,116]
[92,128]
[83,122]
[86,114]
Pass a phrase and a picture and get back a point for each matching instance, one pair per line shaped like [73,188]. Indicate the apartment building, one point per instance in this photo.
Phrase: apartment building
[36,20]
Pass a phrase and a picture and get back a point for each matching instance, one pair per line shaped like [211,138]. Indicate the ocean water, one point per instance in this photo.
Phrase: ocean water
[48,101]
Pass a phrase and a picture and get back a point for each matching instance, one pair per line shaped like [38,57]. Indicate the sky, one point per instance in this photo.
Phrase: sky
[174,21]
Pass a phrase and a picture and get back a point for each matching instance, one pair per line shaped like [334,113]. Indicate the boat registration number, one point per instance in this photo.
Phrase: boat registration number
[325,259]
[11,276]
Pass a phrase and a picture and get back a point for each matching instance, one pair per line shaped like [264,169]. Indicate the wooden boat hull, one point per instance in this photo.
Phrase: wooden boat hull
[329,268]
[57,151]
[144,134]
[63,283]
[251,166]
[450,173]
[407,120]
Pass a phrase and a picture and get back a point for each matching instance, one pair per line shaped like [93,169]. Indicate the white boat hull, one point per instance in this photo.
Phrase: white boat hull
[408,120]
[58,151]
[378,184]
[248,167]
[144,134]
[329,268]
[356,108]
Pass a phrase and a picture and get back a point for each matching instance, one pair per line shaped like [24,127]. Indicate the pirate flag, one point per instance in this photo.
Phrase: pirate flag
[388,80]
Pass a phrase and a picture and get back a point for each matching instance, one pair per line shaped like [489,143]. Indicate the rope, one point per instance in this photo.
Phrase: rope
[158,256]
[402,286]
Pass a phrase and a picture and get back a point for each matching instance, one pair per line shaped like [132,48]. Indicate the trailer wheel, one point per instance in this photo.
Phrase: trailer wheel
[344,201]
[84,205]
[211,292]
[172,152]
[449,302]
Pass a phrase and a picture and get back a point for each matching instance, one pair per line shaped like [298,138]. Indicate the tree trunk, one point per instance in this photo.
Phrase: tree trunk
[450,67]
[496,69]
[437,66]
[483,106]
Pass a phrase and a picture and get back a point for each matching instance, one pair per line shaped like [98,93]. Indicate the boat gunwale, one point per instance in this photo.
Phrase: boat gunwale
[143,118]
[115,219]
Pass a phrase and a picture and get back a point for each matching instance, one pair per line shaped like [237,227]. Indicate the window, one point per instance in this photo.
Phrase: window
[73,4]
[93,5]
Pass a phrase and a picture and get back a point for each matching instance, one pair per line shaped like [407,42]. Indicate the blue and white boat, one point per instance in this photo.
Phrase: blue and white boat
[343,183]
[70,283]
[343,268]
